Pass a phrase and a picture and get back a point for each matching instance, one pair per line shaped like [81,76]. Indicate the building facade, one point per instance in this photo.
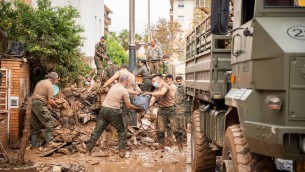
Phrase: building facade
[107,20]
[91,19]
[182,12]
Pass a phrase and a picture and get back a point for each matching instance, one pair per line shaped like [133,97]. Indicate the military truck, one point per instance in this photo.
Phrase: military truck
[245,77]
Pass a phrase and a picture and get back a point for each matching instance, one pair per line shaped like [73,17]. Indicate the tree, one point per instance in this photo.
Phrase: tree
[123,39]
[50,35]
[201,11]
[170,36]
[115,51]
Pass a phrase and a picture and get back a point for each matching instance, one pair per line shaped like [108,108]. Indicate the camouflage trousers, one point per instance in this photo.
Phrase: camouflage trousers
[154,67]
[146,85]
[181,117]
[168,115]
[104,118]
[40,117]
[99,67]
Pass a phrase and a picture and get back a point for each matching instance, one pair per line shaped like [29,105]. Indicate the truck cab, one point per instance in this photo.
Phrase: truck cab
[261,115]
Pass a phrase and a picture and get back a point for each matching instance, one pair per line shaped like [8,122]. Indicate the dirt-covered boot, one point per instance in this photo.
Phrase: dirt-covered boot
[50,143]
[122,153]
[161,146]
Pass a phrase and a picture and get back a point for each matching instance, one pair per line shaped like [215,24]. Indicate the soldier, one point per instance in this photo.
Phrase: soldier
[110,70]
[169,67]
[166,112]
[154,55]
[144,72]
[42,96]
[99,56]
[132,88]
[111,113]
[180,102]
[169,80]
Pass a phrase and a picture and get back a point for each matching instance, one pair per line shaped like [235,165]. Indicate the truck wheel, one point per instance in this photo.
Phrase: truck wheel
[203,158]
[236,149]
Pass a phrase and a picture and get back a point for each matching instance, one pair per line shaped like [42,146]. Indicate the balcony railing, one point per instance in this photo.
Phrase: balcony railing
[107,20]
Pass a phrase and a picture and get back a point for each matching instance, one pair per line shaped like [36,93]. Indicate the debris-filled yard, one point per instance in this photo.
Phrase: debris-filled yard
[74,123]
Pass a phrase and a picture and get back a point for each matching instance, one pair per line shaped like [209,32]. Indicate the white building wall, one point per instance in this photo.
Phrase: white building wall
[186,11]
[91,19]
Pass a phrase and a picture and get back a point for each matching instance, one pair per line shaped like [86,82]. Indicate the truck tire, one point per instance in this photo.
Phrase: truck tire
[203,158]
[236,149]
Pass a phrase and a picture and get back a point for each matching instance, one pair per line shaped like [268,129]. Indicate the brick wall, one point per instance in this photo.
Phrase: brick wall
[19,87]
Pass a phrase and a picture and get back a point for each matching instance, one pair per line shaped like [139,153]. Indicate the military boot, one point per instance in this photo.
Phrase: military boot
[122,153]
[50,143]
[34,141]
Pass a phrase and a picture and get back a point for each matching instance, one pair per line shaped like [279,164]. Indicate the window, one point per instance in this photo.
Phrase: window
[285,3]
[247,10]
[181,19]
[180,3]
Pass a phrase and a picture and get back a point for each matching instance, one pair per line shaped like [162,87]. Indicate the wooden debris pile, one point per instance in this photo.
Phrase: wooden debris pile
[75,121]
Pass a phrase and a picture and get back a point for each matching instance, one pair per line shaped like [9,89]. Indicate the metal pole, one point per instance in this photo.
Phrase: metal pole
[132,45]
[149,34]
[132,50]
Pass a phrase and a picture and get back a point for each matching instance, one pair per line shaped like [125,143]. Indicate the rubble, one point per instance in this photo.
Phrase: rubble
[76,118]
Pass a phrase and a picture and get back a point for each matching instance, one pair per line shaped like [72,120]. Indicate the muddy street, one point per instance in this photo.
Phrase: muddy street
[144,160]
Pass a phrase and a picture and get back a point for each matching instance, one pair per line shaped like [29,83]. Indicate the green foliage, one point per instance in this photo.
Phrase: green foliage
[123,39]
[50,35]
[115,51]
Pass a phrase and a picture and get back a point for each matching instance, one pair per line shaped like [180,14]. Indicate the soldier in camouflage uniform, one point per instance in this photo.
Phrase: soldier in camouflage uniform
[40,116]
[169,67]
[110,70]
[166,112]
[154,55]
[111,113]
[99,56]
[144,72]
[180,104]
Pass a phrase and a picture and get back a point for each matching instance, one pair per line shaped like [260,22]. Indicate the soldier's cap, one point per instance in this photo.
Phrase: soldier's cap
[53,75]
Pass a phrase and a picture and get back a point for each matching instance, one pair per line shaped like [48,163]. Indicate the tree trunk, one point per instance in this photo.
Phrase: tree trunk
[4,153]
[26,131]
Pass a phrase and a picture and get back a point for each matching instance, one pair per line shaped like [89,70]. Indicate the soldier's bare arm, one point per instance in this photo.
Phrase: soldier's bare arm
[132,92]
[152,101]
[52,102]
[111,80]
[159,93]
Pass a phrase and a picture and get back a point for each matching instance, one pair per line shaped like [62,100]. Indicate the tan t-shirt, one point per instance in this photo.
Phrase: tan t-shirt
[43,90]
[116,94]
[167,100]
[131,78]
